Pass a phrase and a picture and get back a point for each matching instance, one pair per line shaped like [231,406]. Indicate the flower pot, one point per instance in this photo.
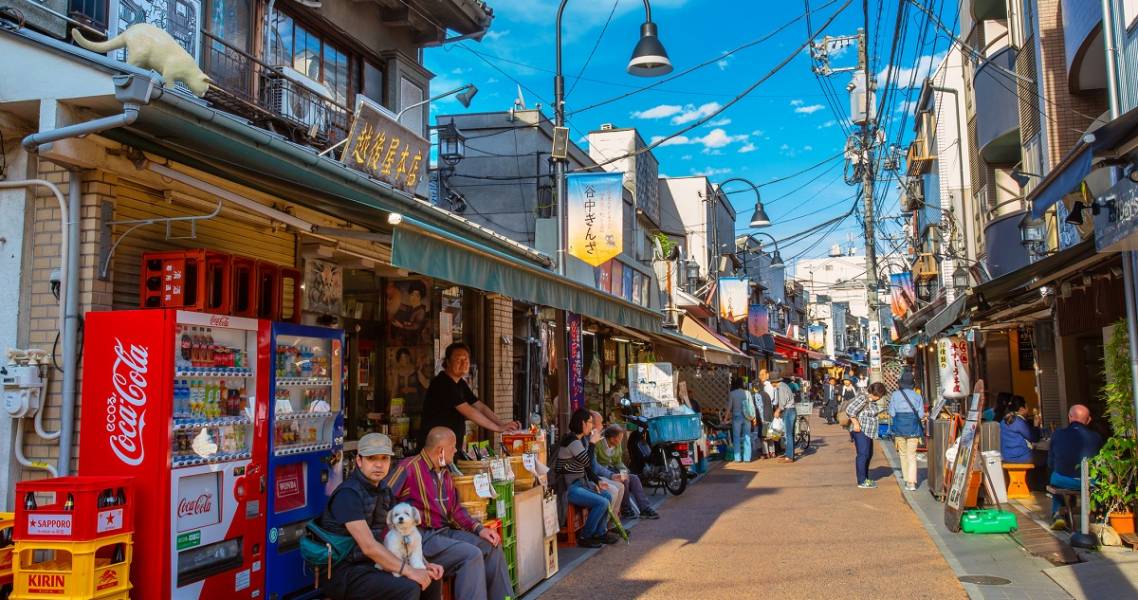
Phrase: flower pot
[1122,522]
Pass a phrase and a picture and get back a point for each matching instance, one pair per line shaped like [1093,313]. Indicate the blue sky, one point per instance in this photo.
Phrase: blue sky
[785,125]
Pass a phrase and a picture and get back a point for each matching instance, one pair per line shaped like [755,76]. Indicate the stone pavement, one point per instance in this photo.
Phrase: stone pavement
[768,529]
[1017,574]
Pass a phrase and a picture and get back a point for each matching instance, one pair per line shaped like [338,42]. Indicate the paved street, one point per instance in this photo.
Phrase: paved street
[776,530]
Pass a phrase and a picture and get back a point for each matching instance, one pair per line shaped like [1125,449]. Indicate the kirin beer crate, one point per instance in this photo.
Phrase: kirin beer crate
[74,509]
[7,530]
[93,570]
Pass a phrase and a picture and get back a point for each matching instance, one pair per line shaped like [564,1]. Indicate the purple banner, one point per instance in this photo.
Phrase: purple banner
[576,362]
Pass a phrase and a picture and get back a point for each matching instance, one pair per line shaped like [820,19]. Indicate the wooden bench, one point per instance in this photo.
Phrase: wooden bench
[574,520]
[1070,500]
[1017,480]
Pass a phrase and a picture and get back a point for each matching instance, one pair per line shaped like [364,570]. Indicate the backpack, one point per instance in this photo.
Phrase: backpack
[321,548]
[843,417]
[749,406]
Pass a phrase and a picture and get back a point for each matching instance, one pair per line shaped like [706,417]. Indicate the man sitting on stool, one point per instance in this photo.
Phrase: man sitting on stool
[451,537]
[1069,446]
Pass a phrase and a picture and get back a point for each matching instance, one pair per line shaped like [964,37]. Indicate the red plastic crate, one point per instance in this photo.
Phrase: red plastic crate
[291,299]
[190,279]
[86,520]
[268,291]
[243,287]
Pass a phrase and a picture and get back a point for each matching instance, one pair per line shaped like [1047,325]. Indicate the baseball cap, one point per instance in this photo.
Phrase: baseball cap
[373,444]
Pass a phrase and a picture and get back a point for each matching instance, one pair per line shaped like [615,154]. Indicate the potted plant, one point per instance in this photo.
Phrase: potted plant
[1115,469]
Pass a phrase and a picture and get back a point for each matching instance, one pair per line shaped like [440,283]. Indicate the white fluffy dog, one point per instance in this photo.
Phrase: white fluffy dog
[403,539]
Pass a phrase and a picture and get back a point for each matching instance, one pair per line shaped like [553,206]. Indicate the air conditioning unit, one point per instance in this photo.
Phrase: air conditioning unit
[300,99]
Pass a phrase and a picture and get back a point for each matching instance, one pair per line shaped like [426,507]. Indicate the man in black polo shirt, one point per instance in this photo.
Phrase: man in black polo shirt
[359,508]
[450,402]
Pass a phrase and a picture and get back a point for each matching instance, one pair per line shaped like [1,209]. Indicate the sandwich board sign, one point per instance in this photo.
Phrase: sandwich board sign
[967,453]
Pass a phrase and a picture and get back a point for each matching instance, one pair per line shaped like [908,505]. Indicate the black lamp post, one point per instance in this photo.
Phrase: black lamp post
[649,59]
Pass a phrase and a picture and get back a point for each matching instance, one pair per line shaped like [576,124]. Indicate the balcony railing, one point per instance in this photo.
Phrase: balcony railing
[920,156]
[265,95]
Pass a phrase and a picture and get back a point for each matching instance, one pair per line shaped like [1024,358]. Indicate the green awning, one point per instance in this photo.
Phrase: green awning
[435,252]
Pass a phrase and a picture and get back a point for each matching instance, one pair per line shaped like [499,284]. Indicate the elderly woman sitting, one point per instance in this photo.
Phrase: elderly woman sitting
[610,454]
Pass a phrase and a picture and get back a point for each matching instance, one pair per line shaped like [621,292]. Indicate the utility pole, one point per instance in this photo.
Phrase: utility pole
[868,130]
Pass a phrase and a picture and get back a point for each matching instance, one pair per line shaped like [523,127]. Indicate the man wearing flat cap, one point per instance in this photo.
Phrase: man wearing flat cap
[359,508]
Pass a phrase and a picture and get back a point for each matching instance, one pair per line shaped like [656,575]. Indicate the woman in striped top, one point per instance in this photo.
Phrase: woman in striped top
[574,466]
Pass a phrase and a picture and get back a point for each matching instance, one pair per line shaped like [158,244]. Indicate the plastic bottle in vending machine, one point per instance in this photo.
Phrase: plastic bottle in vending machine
[197,398]
[208,348]
[195,348]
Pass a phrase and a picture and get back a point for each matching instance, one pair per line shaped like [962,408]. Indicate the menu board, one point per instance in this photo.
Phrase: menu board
[967,450]
[651,383]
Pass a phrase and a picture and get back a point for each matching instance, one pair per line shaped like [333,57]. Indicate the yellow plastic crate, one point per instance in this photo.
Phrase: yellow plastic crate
[72,570]
[7,523]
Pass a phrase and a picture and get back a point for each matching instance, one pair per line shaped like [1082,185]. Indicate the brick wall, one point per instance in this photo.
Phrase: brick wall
[1067,115]
[500,311]
[43,307]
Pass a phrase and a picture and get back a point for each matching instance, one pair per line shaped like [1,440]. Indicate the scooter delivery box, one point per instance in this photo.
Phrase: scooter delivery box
[988,521]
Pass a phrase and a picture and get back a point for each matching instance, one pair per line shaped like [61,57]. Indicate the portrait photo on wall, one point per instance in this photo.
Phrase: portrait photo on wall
[407,305]
[409,372]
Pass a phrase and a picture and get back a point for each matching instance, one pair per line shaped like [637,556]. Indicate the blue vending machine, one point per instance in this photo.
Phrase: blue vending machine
[300,429]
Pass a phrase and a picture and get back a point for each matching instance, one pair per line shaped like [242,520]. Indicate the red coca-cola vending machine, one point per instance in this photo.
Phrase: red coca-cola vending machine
[168,398]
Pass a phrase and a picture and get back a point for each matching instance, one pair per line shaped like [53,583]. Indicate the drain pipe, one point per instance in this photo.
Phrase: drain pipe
[133,91]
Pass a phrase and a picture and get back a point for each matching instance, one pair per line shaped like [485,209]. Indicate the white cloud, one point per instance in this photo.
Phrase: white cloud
[494,36]
[720,122]
[710,152]
[828,124]
[685,157]
[809,109]
[796,102]
[784,147]
[906,107]
[722,64]
[493,80]
[718,138]
[658,112]
[917,73]
[748,147]
[675,141]
[715,139]
[711,171]
[693,113]
[807,148]
[757,133]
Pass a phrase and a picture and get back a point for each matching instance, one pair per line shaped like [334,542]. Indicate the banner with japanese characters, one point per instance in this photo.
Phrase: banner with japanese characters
[952,358]
[733,296]
[816,336]
[903,298]
[758,321]
[381,147]
[595,216]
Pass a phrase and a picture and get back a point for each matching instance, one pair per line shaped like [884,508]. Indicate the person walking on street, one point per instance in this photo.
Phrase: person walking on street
[907,411]
[764,401]
[784,401]
[863,428]
[742,410]
[830,400]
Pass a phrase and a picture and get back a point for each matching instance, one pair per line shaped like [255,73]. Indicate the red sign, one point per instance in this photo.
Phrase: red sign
[288,488]
[46,583]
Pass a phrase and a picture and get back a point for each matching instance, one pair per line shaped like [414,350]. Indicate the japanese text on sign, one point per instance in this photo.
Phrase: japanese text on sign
[381,147]
[595,215]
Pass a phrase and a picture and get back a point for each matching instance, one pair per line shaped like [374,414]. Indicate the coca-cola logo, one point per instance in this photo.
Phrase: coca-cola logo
[201,505]
[219,321]
[126,407]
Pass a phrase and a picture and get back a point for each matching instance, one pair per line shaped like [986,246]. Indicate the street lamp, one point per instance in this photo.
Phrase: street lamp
[759,217]
[649,59]
[452,144]
[960,279]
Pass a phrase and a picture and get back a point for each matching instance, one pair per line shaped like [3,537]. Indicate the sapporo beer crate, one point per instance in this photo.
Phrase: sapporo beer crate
[96,569]
[74,509]
[7,530]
